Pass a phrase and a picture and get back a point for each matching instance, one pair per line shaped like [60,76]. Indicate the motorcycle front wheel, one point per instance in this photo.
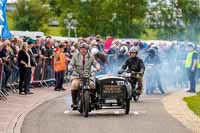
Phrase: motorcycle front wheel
[127,106]
[80,108]
[136,97]
[86,103]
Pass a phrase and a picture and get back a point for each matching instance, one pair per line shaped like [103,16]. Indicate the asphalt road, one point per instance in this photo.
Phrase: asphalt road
[147,116]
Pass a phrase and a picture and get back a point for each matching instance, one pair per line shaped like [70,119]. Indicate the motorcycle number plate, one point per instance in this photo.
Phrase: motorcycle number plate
[111,89]
[120,83]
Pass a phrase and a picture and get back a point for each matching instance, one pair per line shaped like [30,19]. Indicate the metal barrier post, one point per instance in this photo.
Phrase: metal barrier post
[46,72]
[43,73]
[12,82]
[40,69]
[2,95]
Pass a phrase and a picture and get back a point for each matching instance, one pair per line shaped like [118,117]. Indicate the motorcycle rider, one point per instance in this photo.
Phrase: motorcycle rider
[154,59]
[81,61]
[133,63]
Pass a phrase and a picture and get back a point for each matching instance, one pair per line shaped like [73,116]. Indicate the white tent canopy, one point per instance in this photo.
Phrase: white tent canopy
[60,38]
[12,1]
[27,33]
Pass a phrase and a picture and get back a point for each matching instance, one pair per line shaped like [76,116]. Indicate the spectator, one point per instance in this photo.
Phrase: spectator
[47,53]
[25,64]
[6,55]
[60,68]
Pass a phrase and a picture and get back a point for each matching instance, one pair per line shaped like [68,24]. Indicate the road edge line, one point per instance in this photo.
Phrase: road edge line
[16,124]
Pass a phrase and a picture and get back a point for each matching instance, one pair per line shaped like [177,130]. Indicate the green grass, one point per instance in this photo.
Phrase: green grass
[194,103]
[54,31]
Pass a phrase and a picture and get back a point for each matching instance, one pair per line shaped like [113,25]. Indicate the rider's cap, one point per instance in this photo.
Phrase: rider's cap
[133,50]
[84,45]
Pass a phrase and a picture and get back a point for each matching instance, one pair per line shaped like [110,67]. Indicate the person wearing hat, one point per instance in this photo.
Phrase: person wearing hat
[133,63]
[191,66]
[81,61]
[30,43]
[60,64]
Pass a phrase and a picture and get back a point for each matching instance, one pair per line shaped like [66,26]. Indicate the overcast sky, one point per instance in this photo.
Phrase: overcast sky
[11,1]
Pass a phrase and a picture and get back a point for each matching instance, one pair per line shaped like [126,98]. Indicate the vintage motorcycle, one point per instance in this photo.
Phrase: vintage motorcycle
[131,77]
[84,94]
[150,77]
[153,78]
[112,92]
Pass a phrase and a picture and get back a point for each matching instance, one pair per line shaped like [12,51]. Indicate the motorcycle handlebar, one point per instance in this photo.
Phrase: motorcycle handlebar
[128,71]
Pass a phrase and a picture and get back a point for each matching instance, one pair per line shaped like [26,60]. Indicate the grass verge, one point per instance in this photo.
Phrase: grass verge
[194,103]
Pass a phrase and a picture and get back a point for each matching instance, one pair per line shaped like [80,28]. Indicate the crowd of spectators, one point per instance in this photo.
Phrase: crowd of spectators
[110,53]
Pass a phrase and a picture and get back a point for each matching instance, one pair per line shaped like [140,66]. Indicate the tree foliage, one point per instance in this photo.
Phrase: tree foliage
[191,17]
[30,15]
[175,19]
[120,18]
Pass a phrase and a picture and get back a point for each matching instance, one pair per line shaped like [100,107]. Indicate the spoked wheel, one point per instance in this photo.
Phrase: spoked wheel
[80,108]
[127,106]
[136,97]
[86,103]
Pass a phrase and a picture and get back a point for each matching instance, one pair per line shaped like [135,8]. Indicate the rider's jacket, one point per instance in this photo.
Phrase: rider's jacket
[79,66]
[134,64]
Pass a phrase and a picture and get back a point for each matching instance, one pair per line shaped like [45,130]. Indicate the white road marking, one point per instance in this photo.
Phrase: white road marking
[67,111]
[116,112]
[136,113]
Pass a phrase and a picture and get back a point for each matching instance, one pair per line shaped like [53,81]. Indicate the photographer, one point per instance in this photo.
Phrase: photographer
[6,56]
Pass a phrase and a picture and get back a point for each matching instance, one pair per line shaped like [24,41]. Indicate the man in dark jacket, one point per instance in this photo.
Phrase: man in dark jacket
[135,64]
[47,53]
[154,60]
[30,52]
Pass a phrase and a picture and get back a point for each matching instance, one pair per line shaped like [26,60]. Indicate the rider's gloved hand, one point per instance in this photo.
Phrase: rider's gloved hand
[138,75]
[98,68]
[142,71]
[120,71]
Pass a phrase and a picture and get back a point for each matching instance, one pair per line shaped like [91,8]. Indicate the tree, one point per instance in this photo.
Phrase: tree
[191,17]
[120,18]
[30,15]
[131,17]
[175,19]
[54,7]
[166,17]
